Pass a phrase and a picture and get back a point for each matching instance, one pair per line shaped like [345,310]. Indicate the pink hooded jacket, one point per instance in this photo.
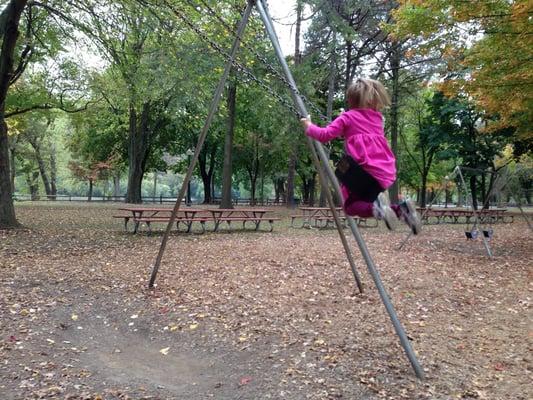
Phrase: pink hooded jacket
[364,140]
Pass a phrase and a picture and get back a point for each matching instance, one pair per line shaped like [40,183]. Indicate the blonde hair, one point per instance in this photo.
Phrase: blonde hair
[367,93]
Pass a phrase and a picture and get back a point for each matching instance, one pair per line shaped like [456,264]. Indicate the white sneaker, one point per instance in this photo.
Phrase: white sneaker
[410,216]
[382,211]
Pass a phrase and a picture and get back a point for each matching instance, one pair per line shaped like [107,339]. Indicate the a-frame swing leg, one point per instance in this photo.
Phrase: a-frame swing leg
[524,215]
[201,139]
[428,207]
[470,199]
[353,226]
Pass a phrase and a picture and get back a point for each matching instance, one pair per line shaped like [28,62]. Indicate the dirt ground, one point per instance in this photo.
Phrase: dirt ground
[258,315]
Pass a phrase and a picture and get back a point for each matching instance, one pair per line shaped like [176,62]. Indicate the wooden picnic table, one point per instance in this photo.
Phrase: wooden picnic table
[187,216]
[322,217]
[147,215]
[314,216]
[241,214]
[458,216]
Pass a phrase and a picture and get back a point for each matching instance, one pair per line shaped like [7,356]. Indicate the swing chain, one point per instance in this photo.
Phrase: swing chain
[262,59]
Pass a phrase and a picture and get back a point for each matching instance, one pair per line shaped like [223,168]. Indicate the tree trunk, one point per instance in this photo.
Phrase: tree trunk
[53,172]
[312,189]
[32,179]
[297,53]
[206,172]
[225,201]
[423,189]
[473,190]
[253,174]
[279,188]
[90,194]
[12,160]
[154,192]
[9,31]
[291,175]
[349,62]
[116,185]
[395,67]
[34,142]
[139,144]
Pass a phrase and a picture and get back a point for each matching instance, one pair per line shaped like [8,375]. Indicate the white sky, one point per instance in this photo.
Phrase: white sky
[283,12]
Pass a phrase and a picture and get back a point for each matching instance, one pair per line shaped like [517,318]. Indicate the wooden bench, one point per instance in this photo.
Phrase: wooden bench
[454,216]
[256,220]
[126,219]
[188,221]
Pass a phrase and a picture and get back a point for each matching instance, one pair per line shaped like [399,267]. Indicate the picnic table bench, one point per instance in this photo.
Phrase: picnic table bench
[458,216]
[149,215]
[322,217]
[187,216]
[253,215]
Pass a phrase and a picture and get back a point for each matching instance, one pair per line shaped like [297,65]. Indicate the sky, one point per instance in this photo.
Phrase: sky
[284,15]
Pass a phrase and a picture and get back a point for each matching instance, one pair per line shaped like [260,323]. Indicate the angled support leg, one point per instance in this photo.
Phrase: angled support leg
[476,216]
[316,148]
[201,139]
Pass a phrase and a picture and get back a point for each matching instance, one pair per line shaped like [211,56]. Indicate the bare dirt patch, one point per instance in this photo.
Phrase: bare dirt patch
[246,315]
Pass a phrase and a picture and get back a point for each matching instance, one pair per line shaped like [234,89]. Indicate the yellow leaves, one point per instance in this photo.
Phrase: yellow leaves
[164,351]
[192,327]
[522,9]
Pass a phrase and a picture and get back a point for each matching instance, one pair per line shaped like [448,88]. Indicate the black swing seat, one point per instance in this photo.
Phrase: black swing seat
[472,235]
[488,233]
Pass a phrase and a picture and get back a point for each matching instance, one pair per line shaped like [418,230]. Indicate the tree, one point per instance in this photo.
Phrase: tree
[10,19]
[487,46]
[89,172]
[226,200]
[432,126]
[41,41]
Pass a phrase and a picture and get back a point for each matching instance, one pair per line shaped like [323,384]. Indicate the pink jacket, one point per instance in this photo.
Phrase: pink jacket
[364,140]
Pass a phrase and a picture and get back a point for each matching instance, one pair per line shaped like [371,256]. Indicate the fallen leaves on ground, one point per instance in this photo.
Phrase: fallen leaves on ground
[281,307]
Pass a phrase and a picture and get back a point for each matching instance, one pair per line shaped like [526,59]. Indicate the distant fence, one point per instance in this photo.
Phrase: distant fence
[146,199]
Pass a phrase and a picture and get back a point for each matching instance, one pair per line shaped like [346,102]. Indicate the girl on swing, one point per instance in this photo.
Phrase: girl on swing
[368,167]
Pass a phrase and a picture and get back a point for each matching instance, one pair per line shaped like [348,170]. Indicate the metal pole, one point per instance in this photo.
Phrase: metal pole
[524,215]
[320,150]
[315,151]
[446,180]
[201,138]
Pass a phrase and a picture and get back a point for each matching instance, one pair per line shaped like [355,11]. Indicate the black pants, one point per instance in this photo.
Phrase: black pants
[357,180]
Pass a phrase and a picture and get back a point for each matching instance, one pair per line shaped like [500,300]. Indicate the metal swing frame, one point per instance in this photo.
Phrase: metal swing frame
[457,172]
[320,160]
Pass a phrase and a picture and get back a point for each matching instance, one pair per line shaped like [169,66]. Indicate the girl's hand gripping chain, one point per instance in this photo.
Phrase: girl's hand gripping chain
[306,122]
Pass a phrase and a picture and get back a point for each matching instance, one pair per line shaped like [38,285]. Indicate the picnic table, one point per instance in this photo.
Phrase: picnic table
[229,215]
[148,215]
[321,217]
[314,216]
[461,216]
[187,216]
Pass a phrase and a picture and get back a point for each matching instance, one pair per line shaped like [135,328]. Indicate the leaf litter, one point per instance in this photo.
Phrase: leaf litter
[270,315]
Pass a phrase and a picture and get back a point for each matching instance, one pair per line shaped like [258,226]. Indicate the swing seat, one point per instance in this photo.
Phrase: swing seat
[488,233]
[472,235]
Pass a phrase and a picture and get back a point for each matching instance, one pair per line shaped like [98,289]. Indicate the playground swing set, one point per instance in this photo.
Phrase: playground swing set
[318,153]
[482,224]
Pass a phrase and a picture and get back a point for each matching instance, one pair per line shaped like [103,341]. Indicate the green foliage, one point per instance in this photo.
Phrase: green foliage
[487,46]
